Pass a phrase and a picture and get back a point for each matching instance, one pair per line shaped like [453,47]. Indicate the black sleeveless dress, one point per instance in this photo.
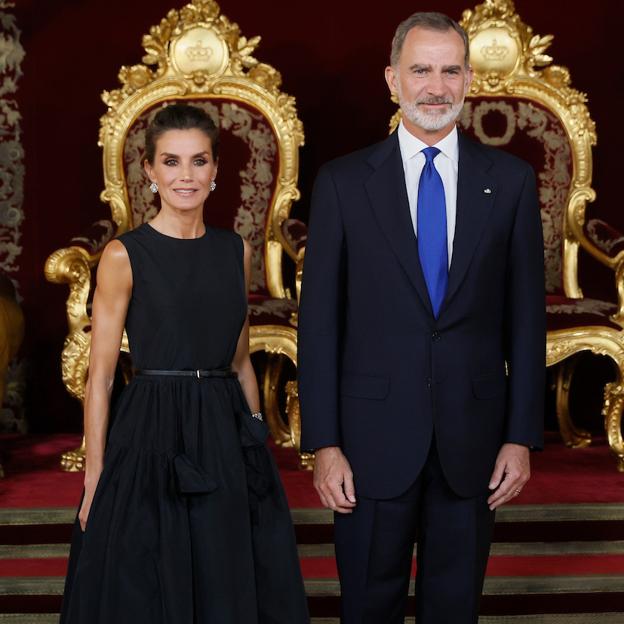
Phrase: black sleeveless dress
[189,523]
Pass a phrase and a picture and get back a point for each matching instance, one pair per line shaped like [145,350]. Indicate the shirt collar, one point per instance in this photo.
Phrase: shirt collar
[410,145]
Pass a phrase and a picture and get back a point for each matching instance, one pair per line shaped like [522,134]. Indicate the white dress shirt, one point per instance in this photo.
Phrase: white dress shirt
[446,163]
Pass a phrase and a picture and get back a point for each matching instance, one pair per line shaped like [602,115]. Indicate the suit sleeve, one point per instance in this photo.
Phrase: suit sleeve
[321,318]
[526,321]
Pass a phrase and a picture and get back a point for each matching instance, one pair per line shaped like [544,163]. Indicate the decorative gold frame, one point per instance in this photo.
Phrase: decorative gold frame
[509,60]
[194,52]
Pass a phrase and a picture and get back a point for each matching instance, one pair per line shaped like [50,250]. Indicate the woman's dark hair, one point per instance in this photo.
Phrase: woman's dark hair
[180,117]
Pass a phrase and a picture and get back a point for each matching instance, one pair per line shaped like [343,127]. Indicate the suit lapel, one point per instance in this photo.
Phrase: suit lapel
[388,197]
[475,198]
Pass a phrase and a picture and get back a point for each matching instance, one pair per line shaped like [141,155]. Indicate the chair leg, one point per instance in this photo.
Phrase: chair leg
[280,432]
[612,412]
[306,460]
[74,461]
[572,436]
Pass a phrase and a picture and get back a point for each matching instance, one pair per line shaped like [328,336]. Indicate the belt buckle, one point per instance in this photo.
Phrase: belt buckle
[197,373]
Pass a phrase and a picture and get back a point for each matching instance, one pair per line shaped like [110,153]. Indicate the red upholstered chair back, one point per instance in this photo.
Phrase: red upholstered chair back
[248,166]
[520,102]
[529,130]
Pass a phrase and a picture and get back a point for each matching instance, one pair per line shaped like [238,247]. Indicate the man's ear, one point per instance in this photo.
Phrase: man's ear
[391,79]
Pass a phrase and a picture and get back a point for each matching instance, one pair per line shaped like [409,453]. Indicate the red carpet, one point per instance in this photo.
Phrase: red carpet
[559,475]
[325,567]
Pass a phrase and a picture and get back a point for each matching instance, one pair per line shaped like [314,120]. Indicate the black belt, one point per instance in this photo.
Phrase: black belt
[198,373]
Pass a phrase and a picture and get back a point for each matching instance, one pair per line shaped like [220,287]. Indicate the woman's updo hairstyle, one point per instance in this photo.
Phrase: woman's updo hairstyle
[180,117]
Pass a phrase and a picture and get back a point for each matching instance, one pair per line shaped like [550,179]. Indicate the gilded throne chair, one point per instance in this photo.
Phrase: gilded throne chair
[198,56]
[521,102]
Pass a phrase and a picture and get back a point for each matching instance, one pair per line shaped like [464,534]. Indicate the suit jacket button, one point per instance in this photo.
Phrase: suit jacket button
[436,336]
[429,382]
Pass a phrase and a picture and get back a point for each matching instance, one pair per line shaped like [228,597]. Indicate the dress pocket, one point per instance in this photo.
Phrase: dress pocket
[191,479]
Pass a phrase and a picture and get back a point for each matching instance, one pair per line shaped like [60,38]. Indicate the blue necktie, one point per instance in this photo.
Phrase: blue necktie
[431,226]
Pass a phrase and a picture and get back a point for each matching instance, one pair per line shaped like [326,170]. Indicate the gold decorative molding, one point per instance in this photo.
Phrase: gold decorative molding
[606,341]
[280,340]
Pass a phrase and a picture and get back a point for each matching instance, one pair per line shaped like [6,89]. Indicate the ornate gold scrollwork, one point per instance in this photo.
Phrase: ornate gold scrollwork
[178,47]
[279,340]
[602,341]
[572,435]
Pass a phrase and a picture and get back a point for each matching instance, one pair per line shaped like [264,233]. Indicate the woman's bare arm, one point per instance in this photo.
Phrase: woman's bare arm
[110,305]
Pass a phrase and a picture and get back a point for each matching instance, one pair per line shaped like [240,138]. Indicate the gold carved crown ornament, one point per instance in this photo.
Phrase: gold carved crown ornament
[198,52]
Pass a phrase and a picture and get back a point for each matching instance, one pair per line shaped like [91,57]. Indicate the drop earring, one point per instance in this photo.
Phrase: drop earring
[213,185]
[153,187]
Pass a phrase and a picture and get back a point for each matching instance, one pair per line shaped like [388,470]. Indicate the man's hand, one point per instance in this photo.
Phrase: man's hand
[510,474]
[333,479]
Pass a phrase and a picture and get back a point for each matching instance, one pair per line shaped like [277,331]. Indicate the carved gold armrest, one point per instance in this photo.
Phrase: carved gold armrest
[72,266]
[600,240]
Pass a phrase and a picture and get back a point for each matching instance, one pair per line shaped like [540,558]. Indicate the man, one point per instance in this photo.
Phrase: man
[422,342]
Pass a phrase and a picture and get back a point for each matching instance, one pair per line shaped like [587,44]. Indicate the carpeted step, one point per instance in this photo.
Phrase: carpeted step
[516,523]
[516,595]
[325,567]
[557,618]
[557,557]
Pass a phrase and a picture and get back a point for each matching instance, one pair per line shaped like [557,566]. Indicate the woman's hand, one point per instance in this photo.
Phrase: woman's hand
[85,508]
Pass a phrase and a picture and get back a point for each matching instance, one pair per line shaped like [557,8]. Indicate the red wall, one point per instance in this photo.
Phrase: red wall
[331,56]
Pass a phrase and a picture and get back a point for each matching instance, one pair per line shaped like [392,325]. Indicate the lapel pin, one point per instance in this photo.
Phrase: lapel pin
[487,190]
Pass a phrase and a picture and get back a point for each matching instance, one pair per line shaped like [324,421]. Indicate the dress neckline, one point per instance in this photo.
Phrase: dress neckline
[151,228]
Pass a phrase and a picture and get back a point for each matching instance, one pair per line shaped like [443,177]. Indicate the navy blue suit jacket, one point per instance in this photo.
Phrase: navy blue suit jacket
[378,374]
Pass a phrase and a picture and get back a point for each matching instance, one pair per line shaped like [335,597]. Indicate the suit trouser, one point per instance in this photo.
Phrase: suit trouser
[374,548]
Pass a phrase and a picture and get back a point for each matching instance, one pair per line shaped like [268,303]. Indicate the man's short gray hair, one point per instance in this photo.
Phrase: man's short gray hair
[430,21]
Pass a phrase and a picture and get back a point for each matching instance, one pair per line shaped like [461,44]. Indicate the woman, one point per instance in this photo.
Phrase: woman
[183,518]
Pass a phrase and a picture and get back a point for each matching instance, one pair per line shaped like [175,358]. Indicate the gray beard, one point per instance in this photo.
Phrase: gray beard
[429,122]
